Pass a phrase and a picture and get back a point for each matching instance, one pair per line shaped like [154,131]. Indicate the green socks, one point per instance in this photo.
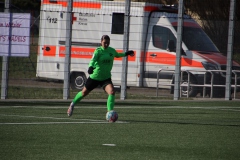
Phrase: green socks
[78,98]
[110,102]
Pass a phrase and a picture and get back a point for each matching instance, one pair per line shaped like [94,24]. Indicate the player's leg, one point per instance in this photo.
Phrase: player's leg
[89,86]
[81,95]
[111,96]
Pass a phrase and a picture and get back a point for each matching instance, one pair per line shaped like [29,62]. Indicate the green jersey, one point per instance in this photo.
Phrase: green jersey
[102,61]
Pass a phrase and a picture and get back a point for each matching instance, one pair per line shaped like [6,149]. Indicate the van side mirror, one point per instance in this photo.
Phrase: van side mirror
[171,47]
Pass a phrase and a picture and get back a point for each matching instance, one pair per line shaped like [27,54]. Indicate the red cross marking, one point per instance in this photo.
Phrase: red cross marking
[73,18]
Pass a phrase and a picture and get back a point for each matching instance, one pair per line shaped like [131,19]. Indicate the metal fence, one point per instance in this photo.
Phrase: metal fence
[189,87]
[208,42]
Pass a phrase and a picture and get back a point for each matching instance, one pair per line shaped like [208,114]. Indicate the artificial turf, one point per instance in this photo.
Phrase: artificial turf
[145,130]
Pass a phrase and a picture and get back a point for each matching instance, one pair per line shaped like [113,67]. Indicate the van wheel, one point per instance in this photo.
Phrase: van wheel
[193,91]
[78,81]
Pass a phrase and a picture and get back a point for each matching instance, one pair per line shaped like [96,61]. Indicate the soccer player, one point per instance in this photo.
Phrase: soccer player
[99,70]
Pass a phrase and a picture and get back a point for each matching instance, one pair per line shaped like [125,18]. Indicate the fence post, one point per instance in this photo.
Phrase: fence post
[230,50]
[125,48]
[5,59]
[178,51]
[68,45]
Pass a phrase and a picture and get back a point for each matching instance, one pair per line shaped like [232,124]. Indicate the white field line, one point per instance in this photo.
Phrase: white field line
[49,117]
[233,109]
[55,118]
[127,107]
[224,108]
[35,123]
[44,123]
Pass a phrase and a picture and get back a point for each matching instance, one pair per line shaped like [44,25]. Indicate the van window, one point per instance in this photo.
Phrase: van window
[117,23]
[161,36]
[196,39]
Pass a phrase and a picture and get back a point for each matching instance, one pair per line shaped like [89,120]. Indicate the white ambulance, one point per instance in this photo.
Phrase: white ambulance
[153,32]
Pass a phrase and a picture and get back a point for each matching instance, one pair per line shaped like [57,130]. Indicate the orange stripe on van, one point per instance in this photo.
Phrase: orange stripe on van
[87,53]
[75,4]
[190,62]
[87,5]
[49,53]
[64,4]
[77,52]
[169,59]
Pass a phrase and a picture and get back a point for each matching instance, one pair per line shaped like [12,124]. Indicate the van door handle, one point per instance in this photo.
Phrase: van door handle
[153,55]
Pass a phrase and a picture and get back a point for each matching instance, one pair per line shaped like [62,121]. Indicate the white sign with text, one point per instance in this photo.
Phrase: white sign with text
[15,34]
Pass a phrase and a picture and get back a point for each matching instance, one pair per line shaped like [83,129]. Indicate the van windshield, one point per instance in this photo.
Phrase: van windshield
[196,39]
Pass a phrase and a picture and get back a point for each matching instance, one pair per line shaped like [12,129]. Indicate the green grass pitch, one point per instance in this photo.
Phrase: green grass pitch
[187,130]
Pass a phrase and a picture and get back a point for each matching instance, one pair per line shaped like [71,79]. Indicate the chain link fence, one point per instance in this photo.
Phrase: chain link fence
[40,76]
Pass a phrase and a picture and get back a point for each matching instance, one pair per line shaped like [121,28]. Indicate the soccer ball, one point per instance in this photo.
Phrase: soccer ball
[111,116]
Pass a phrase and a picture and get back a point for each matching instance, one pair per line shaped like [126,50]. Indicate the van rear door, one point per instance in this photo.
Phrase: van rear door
[50,25]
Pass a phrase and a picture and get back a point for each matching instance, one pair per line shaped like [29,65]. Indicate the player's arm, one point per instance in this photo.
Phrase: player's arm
[131,53]
[92,62]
